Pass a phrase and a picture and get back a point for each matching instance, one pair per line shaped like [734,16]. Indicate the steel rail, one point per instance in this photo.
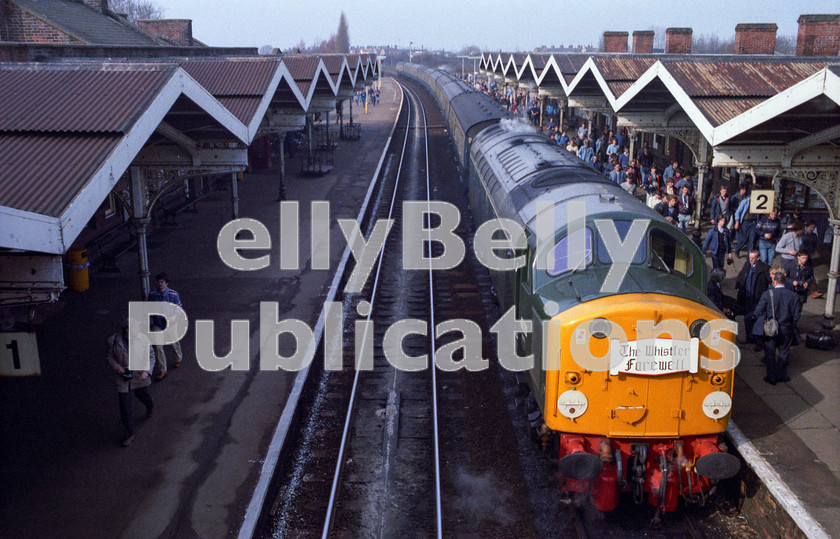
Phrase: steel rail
[433,366]
[328,519]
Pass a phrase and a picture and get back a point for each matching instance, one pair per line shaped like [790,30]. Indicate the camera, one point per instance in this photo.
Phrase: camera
[728,261]
[126,375]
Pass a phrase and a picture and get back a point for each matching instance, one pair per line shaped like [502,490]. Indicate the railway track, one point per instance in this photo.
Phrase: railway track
[383,452]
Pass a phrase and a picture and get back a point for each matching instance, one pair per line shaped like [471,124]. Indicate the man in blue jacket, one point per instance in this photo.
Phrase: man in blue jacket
[718,243]
[166,295]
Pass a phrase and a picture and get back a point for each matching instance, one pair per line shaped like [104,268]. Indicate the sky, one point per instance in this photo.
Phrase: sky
[492,25]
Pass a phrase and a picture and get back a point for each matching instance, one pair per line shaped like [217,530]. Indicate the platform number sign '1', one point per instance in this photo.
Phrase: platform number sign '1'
[762,200]
[19,354]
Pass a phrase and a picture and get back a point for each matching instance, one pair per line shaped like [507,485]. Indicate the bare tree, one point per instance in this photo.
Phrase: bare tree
[137,9]
[342,37]
[785,44]
[712,44]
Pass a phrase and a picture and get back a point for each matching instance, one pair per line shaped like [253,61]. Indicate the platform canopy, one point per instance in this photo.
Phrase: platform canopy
[69,132]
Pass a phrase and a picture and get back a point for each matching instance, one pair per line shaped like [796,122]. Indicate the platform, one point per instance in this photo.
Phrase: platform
[192,467]
[794,427]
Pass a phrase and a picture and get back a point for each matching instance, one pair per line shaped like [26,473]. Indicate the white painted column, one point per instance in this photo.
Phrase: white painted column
[234,195]
[833,274]
[281,189]
[140,223]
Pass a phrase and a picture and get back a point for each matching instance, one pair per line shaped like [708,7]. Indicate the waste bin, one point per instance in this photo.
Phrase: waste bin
[77,270]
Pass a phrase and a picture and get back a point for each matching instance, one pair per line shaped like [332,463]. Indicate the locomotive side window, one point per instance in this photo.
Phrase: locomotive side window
[666,251]
[564,260]
[622,227]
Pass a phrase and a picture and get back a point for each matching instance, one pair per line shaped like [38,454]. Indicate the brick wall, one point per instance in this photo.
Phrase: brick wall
[615,41]
[678,41]
[21,26]
[755,38]
[819,35]
[176,30]
[643,41]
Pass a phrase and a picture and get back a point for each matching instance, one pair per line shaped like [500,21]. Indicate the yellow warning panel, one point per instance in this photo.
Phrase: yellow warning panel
[19,354]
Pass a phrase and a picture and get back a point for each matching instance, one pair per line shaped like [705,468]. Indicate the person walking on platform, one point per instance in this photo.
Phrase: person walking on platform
[783,305]
[745,223]
[718,243]
[720,206]
[751,283]
[768,229]
[129,337]
[159,323]
[652,182]
[685,207]
[617,175]
[802,277]
[789,245]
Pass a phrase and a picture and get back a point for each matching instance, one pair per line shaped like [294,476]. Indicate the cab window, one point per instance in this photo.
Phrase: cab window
[622,227]
[669,254]
[564,260]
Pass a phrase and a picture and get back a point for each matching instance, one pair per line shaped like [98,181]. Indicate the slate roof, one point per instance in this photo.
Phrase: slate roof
[85,23]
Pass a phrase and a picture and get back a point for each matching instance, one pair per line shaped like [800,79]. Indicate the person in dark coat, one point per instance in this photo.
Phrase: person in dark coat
[782,304]
[801,277]
[719,243]
[726,304]
[751,283]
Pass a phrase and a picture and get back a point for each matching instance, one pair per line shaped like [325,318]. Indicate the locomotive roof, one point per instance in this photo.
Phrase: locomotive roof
[530,168]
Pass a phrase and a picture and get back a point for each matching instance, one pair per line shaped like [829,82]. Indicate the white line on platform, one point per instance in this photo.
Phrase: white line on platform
[777,487]
[252,514]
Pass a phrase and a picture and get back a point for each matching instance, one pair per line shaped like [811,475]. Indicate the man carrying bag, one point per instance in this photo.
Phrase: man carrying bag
[776,316]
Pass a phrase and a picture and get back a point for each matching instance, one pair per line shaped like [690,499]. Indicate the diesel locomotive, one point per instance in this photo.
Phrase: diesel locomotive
[633,371]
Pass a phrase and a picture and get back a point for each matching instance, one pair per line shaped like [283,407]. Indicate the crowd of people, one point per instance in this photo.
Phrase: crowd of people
[767,289]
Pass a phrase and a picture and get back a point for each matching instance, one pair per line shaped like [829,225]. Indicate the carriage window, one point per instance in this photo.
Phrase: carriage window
[566,260]
[666,251]
[622,227]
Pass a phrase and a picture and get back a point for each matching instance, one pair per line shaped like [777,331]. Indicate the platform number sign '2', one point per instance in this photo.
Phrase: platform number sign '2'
[19,354]
[762,200]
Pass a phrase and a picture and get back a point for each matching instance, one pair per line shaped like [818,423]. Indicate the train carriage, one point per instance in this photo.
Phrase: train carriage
[632,375]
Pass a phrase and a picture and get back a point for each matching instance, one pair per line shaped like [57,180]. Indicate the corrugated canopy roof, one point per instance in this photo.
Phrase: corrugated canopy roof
[86,23]
[233,76]
[77,98]
[624,68]
[49,170]
[738,78]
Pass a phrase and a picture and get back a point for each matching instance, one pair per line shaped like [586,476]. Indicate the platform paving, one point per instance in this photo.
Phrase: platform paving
[795,426]
[192,467]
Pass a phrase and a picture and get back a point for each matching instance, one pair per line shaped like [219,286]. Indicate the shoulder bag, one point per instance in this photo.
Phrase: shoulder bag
[771,325]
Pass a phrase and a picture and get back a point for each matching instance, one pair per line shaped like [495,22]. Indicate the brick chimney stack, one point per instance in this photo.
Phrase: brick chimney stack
[98,5]
[678,41]
[177,31]
[615,41]
[755,38]
[819,35]
[643,41]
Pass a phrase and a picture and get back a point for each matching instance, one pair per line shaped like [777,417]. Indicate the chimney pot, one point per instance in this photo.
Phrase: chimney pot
[615,41]
[819,35]
[678,40]
[643,41]
[759,38]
